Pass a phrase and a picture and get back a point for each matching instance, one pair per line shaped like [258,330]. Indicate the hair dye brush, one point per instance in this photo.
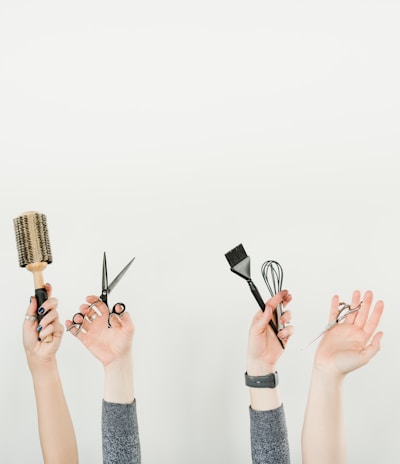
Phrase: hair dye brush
[34,251]
[240,265]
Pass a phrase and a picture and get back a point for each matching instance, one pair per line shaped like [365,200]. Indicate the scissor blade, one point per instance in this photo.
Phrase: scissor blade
[119,276]
[104,279]
[329,326]
[316,338]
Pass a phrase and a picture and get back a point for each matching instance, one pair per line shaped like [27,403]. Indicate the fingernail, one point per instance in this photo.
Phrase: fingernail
[41,311]
[39,328]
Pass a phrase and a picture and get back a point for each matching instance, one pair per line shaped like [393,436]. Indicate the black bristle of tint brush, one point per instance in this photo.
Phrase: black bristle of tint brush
[236,255]
[239,262]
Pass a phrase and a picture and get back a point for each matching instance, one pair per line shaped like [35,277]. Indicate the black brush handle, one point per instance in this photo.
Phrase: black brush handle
[41,297]
[261,303]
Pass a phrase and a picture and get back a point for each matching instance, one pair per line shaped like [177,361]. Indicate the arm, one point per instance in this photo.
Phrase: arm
[113,348]
[57,436]
[269,440]
[343,349]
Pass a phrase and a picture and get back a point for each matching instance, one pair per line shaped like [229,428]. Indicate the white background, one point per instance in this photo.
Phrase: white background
[173,131]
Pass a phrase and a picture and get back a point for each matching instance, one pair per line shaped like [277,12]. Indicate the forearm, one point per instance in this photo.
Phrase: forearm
[269,438]
[121,444]
[263,399]
[56,432]
[323,437]
[118,381]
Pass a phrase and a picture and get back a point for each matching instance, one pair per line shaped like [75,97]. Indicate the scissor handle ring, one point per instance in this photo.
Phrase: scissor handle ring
[77,325]
[114,310]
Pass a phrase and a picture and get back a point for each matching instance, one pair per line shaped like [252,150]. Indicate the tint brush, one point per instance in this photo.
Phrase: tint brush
[239,262]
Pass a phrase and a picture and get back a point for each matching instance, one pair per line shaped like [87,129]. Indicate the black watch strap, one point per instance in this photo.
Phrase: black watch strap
[262,381]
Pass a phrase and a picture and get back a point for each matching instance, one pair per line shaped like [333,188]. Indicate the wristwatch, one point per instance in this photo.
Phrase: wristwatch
[262,381]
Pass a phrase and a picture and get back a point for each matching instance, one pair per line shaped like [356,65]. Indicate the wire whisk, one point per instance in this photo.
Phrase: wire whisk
[272,273]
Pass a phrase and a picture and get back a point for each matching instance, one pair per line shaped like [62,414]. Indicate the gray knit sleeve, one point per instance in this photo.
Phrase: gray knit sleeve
[269,438]
[120,431]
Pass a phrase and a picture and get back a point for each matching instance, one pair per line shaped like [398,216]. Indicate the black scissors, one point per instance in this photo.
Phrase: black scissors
[106,289]
[118,308]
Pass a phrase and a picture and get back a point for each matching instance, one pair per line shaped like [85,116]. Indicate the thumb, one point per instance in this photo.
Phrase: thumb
[261,319]
[372,349]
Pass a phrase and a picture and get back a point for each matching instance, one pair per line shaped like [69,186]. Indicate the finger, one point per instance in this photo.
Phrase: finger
[286,317]
[273,302]
[90,311]
[334,307]
[287,299]
[30,316]
[99,307]
[48,305]
[363,312]
[261,320]
[49,318]
[355,301]
[372,323]
[285,333]
[115,320]
[76,327]
[53,329]
[49,289]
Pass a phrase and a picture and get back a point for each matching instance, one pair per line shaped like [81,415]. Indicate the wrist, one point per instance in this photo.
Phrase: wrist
[327,375]
[45,374]
[41,365]
[120,363]
[118,380]
[260,368]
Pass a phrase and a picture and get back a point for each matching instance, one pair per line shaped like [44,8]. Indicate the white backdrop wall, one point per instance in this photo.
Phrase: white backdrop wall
[173,131]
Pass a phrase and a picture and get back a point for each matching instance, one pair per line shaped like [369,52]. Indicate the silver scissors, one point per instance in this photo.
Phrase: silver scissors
[344,310]
[118,309]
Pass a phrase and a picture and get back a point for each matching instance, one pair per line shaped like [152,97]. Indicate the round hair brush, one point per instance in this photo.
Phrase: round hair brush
[34,251]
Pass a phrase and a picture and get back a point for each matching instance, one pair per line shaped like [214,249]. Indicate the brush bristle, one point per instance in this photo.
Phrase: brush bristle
[32,238]
[236,255]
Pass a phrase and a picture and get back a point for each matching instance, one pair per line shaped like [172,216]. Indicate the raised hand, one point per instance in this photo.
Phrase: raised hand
[352,343]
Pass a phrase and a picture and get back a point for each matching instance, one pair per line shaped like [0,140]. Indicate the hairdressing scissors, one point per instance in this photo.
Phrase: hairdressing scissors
[344,310]
[117,310]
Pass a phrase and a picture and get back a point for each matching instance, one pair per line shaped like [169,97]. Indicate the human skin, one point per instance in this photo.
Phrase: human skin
[343,349]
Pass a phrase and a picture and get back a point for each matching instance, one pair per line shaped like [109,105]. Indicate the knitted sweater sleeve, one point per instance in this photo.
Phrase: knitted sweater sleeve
[269,438]
[120,434]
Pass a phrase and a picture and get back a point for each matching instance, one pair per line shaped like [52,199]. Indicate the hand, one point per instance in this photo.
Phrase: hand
[106,344]
[348,345]
[40,352]
[264,349]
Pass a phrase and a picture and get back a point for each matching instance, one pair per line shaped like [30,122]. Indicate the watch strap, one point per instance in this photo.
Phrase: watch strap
[262,381]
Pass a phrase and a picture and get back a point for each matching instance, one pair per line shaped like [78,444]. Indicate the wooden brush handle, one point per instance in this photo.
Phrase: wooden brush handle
[40,291]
